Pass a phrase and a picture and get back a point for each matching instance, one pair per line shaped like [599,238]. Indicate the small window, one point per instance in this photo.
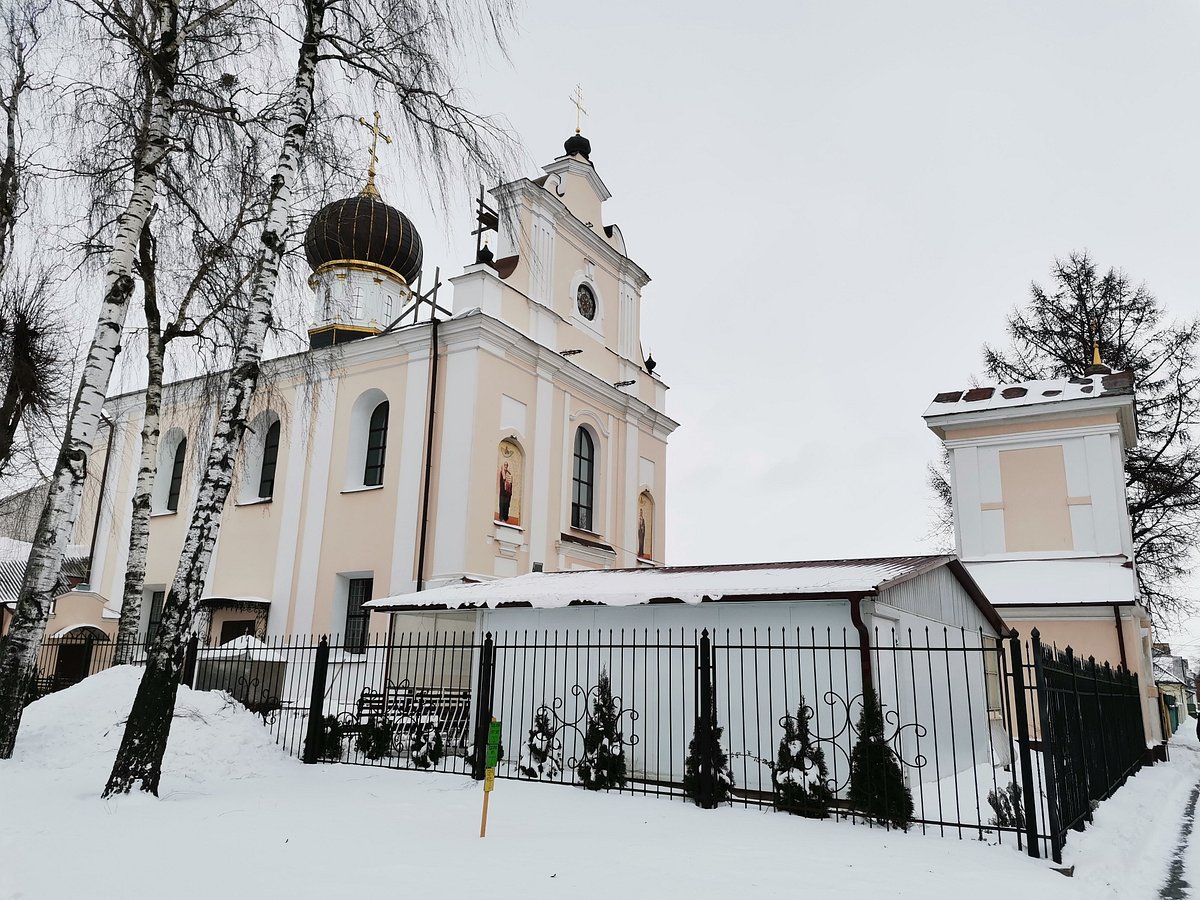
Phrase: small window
[358,619]
[583,481]
[177,476]
[266,478]
[376,446]
[156,608]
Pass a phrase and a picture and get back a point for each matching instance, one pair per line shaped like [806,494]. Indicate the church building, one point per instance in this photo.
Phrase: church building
[413,446]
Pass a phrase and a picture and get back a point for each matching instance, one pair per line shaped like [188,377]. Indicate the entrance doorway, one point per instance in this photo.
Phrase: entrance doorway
[235,628]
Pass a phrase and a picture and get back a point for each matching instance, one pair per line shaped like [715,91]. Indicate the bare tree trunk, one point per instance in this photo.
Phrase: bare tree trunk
[139,759]
[139,520]
[18,657]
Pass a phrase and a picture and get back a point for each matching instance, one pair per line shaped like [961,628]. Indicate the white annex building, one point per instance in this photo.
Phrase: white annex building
[523,431]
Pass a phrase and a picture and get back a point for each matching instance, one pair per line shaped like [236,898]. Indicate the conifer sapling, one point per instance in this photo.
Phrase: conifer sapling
[877,787]
[541,757]
[603,764]
[799,776]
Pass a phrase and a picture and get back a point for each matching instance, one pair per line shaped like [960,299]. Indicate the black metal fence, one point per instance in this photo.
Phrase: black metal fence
[1090,728]
[424,700]
[992,739]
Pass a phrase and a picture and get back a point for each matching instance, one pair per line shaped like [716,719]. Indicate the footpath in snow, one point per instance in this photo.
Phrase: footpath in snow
[238,818]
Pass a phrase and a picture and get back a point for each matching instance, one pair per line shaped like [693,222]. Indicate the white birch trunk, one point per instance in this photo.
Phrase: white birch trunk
[139,759]
[18,657]
[139,520]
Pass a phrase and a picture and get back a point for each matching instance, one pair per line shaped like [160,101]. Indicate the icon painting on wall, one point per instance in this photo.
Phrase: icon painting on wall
[645,527]
[510,470]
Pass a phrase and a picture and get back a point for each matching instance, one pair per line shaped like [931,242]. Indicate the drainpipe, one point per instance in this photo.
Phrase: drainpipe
[1120,635]
[433,374]
[864,641]
[108,455]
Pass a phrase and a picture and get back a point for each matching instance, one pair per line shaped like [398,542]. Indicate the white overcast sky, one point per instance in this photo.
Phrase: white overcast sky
[838,203]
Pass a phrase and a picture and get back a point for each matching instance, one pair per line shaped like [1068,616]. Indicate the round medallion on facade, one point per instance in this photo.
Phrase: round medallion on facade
[585,298]
[366,231]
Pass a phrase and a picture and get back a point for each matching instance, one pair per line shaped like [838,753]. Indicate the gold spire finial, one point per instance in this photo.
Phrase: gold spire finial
[580,112]
[369,189]
[1096,360]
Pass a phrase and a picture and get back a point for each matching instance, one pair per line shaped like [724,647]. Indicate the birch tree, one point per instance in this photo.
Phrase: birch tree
[160,40]
[207,271]
[404,49]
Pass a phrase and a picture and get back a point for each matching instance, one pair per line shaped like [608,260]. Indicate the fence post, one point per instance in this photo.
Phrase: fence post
[1081,740]
[188,675]
[315,737]
[705,727]
[484,696]
[1022,713]
[1101,738]
[1049,749]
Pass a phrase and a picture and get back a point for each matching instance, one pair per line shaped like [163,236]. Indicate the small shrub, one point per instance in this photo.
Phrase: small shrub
[702,747]
[603,764]
[375,739]
[799,776]
[541,756]
[427,747]
[329,746]
[877,787]
[1006,803]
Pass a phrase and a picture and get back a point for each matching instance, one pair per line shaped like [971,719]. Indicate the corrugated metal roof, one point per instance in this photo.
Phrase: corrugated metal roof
[689,584]
[12,572]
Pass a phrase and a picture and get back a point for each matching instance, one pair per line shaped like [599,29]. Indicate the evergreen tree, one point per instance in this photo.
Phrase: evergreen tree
[427,747]
[603,764]
[799,776]
[1052,336]
[706,745]
[541,755]
[877,788]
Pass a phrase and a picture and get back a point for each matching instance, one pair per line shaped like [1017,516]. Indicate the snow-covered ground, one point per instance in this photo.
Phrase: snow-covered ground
[239,818]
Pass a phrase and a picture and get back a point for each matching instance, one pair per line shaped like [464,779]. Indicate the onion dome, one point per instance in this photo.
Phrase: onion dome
[577,144]
[364,230]
[485,256]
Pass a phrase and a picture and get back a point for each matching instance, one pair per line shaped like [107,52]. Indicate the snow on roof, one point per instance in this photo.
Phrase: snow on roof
[247,647]
[689,584]
[1030,393]
[251,601]
[1026,582]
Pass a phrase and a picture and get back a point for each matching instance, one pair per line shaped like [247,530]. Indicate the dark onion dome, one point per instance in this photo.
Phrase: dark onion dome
[364,229]
[578,144]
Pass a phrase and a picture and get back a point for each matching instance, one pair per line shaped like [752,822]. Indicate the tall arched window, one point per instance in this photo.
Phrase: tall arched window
[583,481]
[270,456]
[376,446]
[176,475]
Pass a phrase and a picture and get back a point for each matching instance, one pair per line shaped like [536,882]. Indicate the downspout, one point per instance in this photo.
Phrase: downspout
[433,375]
[1120,635]
[108,455]
[864,641]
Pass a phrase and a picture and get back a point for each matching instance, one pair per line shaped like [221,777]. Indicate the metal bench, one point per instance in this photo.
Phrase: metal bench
[407,709]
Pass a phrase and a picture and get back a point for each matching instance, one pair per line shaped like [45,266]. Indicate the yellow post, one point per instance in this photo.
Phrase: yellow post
[489,774]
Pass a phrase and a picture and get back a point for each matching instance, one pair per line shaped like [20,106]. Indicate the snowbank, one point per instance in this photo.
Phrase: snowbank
[213,738]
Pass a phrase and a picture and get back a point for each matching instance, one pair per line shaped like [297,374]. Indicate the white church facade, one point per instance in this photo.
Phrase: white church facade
[523,431]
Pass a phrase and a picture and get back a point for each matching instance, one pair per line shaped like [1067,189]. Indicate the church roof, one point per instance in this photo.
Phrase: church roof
[800,580]
[1031,393]
[1036,398]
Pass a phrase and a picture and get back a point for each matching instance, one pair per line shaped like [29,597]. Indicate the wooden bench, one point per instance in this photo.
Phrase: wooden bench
[409,708]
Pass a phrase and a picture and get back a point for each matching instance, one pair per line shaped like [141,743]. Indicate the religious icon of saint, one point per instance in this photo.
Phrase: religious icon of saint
[506,490]
[641,533]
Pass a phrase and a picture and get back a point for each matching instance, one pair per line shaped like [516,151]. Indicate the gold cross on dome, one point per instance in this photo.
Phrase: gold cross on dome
[370,190]
[580,112]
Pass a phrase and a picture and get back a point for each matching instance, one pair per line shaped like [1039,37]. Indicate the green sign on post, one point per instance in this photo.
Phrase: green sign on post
[493,745]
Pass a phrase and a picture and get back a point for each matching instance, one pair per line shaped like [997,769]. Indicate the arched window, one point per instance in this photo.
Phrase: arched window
[270,456]
[376,446]
[583,480]
[176,475]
